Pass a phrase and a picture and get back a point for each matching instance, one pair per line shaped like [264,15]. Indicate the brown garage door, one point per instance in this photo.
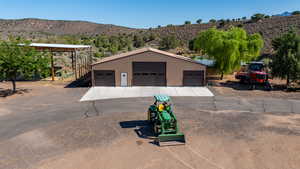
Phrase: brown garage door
[149,74]
[193,78]
[104,77]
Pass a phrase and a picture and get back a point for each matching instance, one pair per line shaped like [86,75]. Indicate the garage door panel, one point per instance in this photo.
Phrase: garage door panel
[193,78]
[149,74]
[104,77]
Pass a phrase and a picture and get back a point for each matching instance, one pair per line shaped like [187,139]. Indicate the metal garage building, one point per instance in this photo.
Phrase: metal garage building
[148,67]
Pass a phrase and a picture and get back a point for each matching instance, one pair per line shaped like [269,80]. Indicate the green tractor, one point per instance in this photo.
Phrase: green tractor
[164,122]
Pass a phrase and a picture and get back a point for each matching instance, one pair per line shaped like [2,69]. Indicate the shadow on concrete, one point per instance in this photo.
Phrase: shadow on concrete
[142,128]
[84,81]
[9,92]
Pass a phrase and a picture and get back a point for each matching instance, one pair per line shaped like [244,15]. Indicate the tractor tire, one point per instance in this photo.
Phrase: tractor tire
[268,86]
[242,81]
[252,86]
[149,116]
[157,130]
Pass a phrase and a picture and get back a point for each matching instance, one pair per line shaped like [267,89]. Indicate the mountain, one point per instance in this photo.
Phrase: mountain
[30,28]
[285,14]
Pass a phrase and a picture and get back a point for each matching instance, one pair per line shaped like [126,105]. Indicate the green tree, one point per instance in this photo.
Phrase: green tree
[296,13]
[212,21]
[187,22]
[244,18]
[199,21]
[257,17]
[16,59]
[168,42]
[286,61]
[191,44]
[152,36]
[228,48]
[138,41]
[222,23]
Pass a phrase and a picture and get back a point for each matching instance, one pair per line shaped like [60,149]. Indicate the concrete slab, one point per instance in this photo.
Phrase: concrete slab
[101,93]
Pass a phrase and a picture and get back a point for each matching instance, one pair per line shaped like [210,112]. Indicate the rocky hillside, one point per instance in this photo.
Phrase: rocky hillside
[58,27]
[37,28]
[268,28]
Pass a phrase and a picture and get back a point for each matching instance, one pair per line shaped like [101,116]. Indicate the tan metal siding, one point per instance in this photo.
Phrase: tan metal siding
[175,67]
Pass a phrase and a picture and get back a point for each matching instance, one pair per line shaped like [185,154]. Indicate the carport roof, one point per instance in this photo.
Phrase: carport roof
[58,47]
[142,50]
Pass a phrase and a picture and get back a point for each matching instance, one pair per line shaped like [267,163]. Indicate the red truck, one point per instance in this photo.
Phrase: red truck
[254,74]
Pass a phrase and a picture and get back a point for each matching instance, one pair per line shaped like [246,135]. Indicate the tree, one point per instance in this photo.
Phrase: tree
[257,17]
[16,60]
[191,44]
[296,13]
[199,21]
[138,41]
[168,42]
[228,48]
[152,36]
[222,23]
[212,21]
[187,22]
[244,18]
[286,61]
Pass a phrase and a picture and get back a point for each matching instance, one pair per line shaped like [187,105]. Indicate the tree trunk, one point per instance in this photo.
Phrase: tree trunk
[14,85]
[222,75]
[287,80]
[13,78]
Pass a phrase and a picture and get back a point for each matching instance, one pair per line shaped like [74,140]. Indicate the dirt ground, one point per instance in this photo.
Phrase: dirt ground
[229,86]
[45,128]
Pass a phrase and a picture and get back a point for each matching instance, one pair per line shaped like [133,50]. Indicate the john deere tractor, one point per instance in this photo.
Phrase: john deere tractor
[164,122]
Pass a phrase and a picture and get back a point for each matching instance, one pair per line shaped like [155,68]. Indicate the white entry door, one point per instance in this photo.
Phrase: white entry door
[123,79]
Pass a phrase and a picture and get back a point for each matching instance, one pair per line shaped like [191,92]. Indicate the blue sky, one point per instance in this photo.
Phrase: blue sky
[140,13]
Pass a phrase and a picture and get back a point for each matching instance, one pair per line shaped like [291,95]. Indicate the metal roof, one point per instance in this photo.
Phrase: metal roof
[207,62]
[142,50]
[65,46]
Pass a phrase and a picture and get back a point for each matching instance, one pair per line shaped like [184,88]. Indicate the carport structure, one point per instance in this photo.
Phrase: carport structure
[80,65]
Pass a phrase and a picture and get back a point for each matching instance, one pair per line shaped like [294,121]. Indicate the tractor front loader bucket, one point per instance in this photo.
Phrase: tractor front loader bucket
[171,139]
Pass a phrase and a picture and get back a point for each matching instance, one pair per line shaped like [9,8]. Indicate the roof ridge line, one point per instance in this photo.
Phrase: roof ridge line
[142,50]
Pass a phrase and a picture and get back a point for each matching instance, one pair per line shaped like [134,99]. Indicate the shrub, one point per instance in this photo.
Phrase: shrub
[138,41]
[168,42]
[212,21]
[187,22]
[296,13]
[257,17]
[199,21]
